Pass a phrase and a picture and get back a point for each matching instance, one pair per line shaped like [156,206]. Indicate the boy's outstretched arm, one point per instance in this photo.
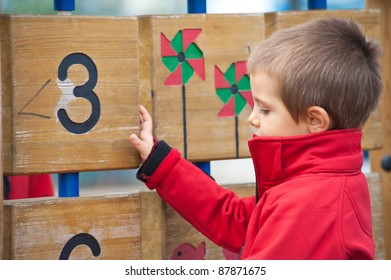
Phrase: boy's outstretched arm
[211,209]
[144,143]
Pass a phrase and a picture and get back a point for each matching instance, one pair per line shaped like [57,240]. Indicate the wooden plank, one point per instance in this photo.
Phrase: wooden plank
[146,62]
[153,226]
[376,156]
[372,131]
[375,188]
[180,232]
[222,42]
[41,228]
[1,171]
[99,55]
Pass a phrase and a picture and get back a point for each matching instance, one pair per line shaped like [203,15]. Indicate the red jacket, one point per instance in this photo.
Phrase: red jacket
[313,200]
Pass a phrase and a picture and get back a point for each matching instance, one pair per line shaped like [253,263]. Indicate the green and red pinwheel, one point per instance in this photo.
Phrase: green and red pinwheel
[233,89]
[182,57]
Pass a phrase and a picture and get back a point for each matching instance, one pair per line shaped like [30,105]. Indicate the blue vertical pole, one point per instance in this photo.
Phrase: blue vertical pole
[199,7]
[196,6]
[317,4]
[64,5]
[68,183]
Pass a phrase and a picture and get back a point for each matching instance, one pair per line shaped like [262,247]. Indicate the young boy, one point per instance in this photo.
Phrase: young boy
[314,86]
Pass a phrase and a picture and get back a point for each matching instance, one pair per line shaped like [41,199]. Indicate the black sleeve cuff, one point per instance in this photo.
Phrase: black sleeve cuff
[158,154]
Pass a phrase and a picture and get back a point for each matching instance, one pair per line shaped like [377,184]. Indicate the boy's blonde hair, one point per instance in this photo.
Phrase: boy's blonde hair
[324,62]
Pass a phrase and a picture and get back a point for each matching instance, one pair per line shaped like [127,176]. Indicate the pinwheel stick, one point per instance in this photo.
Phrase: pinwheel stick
[237,135]
[184,121]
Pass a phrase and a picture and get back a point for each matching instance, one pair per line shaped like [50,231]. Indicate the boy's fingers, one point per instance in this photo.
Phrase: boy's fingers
[141,146]
[135,141]
[146,132]
[146,117]
[145,125]
[146,136]
[143,143]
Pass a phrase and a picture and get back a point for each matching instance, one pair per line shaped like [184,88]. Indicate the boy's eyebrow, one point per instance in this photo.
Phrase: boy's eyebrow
[263,102]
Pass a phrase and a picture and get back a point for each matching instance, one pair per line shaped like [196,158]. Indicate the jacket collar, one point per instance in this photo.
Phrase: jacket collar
[277,159]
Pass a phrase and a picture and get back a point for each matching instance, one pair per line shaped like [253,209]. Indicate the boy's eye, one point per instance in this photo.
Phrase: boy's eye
[264,111]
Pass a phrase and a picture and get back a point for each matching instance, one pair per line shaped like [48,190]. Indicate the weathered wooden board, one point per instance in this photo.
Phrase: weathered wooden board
[43,228]
[153,226]
[375,189]
[376,156]
[139,226]
[39,140]
[70,93]
[1,171]
[179,231]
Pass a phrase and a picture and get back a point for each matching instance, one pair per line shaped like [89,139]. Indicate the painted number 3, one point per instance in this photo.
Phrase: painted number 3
[84,91]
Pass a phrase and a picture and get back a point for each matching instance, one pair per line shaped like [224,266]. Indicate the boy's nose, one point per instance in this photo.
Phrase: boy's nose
[253,120]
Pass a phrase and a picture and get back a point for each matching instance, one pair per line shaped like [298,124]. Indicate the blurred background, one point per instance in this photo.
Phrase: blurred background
[224,172]
[138,7]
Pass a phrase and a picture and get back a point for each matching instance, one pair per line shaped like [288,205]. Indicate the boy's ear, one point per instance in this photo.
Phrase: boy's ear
[317,119]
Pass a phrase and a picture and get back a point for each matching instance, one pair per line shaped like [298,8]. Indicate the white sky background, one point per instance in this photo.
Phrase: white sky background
[137,7]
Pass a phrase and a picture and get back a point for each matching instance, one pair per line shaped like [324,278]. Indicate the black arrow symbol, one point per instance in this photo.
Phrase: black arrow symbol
[34,114]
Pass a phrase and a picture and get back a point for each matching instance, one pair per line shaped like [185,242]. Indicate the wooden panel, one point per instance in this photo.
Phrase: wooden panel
[369,19]
[1,172]
[123,226]
[180,232]
[41,228]
[375,189]
[153,226]
[376,156]
[372,131]
[99,56]
[219,40]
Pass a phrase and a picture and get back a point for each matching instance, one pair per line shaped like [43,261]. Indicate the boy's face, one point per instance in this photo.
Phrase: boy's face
[270,117]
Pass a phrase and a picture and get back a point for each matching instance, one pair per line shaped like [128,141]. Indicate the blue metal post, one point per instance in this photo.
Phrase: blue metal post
[196,6]
[64,5]
[199,7]
[317,4]
[68,183]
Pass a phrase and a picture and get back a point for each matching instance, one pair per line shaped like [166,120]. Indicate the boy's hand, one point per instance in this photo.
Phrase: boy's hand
[144,143]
